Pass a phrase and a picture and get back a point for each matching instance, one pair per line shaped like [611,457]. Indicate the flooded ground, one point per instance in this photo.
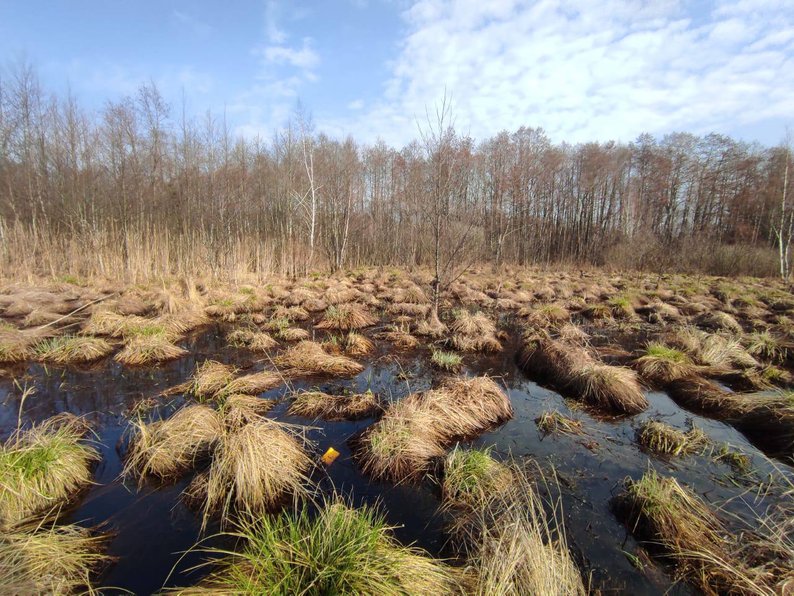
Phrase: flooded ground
[151,529]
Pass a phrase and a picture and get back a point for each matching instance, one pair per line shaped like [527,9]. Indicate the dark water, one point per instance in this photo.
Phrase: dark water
[152,529]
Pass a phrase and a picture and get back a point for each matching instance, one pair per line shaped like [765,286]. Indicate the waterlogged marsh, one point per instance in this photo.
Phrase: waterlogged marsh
[150,526]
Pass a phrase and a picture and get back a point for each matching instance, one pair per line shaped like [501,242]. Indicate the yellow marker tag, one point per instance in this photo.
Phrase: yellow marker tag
[330,456]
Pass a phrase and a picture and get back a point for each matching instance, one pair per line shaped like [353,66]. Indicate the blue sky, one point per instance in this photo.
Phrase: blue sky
[581,69]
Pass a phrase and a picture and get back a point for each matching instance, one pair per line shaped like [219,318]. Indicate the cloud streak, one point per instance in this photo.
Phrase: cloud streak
[589,70]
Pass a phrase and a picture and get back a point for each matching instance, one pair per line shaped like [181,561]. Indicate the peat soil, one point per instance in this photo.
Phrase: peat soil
[152,530]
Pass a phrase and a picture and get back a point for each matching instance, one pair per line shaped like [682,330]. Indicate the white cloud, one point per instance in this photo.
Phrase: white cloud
[587,70]
[304,58]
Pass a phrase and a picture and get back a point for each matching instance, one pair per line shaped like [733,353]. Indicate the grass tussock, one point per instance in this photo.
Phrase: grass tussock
[169,448]
[210,378]
[253,468]
[346,317]
[553,422]
[73,349]
[661,364]
[399,338]
[682,528]
[316,404]
[239,409]
[473,332]
[663,439]
[356,344]
[471,477]
[449,361]
[145,350]
[49,560]
[309,358]
[338,550]
[418,428]
[575,371]
[15,345]
[256,341]
[252,384]
[43,467]
[515,544]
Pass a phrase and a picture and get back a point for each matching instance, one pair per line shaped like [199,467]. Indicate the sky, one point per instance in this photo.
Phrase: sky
[583,70]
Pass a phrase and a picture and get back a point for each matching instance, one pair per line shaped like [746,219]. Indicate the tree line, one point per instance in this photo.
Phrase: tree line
[81,190]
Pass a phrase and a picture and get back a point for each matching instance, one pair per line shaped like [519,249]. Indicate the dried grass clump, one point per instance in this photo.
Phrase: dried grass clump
[294,334]
[142,350]
[675,522]
[210,378]
[309,358]
[663,439]
[252,384]
[546,314]
[573,370]
[472,477]
[400,338]
[429,328]
[719,321]
[338,550]
[15,345]
[553,421]
[418,428]
[316,404]
[768,346]
[168,448]
[291,313]
[514,547]
[474,332]
[661,364]
[346,317]
[341,294]
[408,308]
[73,349]
[49,560]
[256,341]
[356,344]
[239,409]
[43,467]
[253,468]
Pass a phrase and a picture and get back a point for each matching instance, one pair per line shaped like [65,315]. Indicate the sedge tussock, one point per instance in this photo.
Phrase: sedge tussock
[290,313]
[515,547]
[473,332]
[43,467]
[612,388]
[418,428]
[553,421]
[572,369]
[677,523]
[143,350]
[346,317]
[545,314]
[719,321]
[15,345]
[168,448]
[49,560]
[340,295]
[293,334]
[210,378]
[309,358]
[472,477]
[337,550]
[253,383]
[661,364]
[449,361]
[356,344]
[435,329]
[663,439]
[73,349]
[408,308]
[239,409]
[314,305]
[400,338]
[316,404]
[253,468]
[256,341]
